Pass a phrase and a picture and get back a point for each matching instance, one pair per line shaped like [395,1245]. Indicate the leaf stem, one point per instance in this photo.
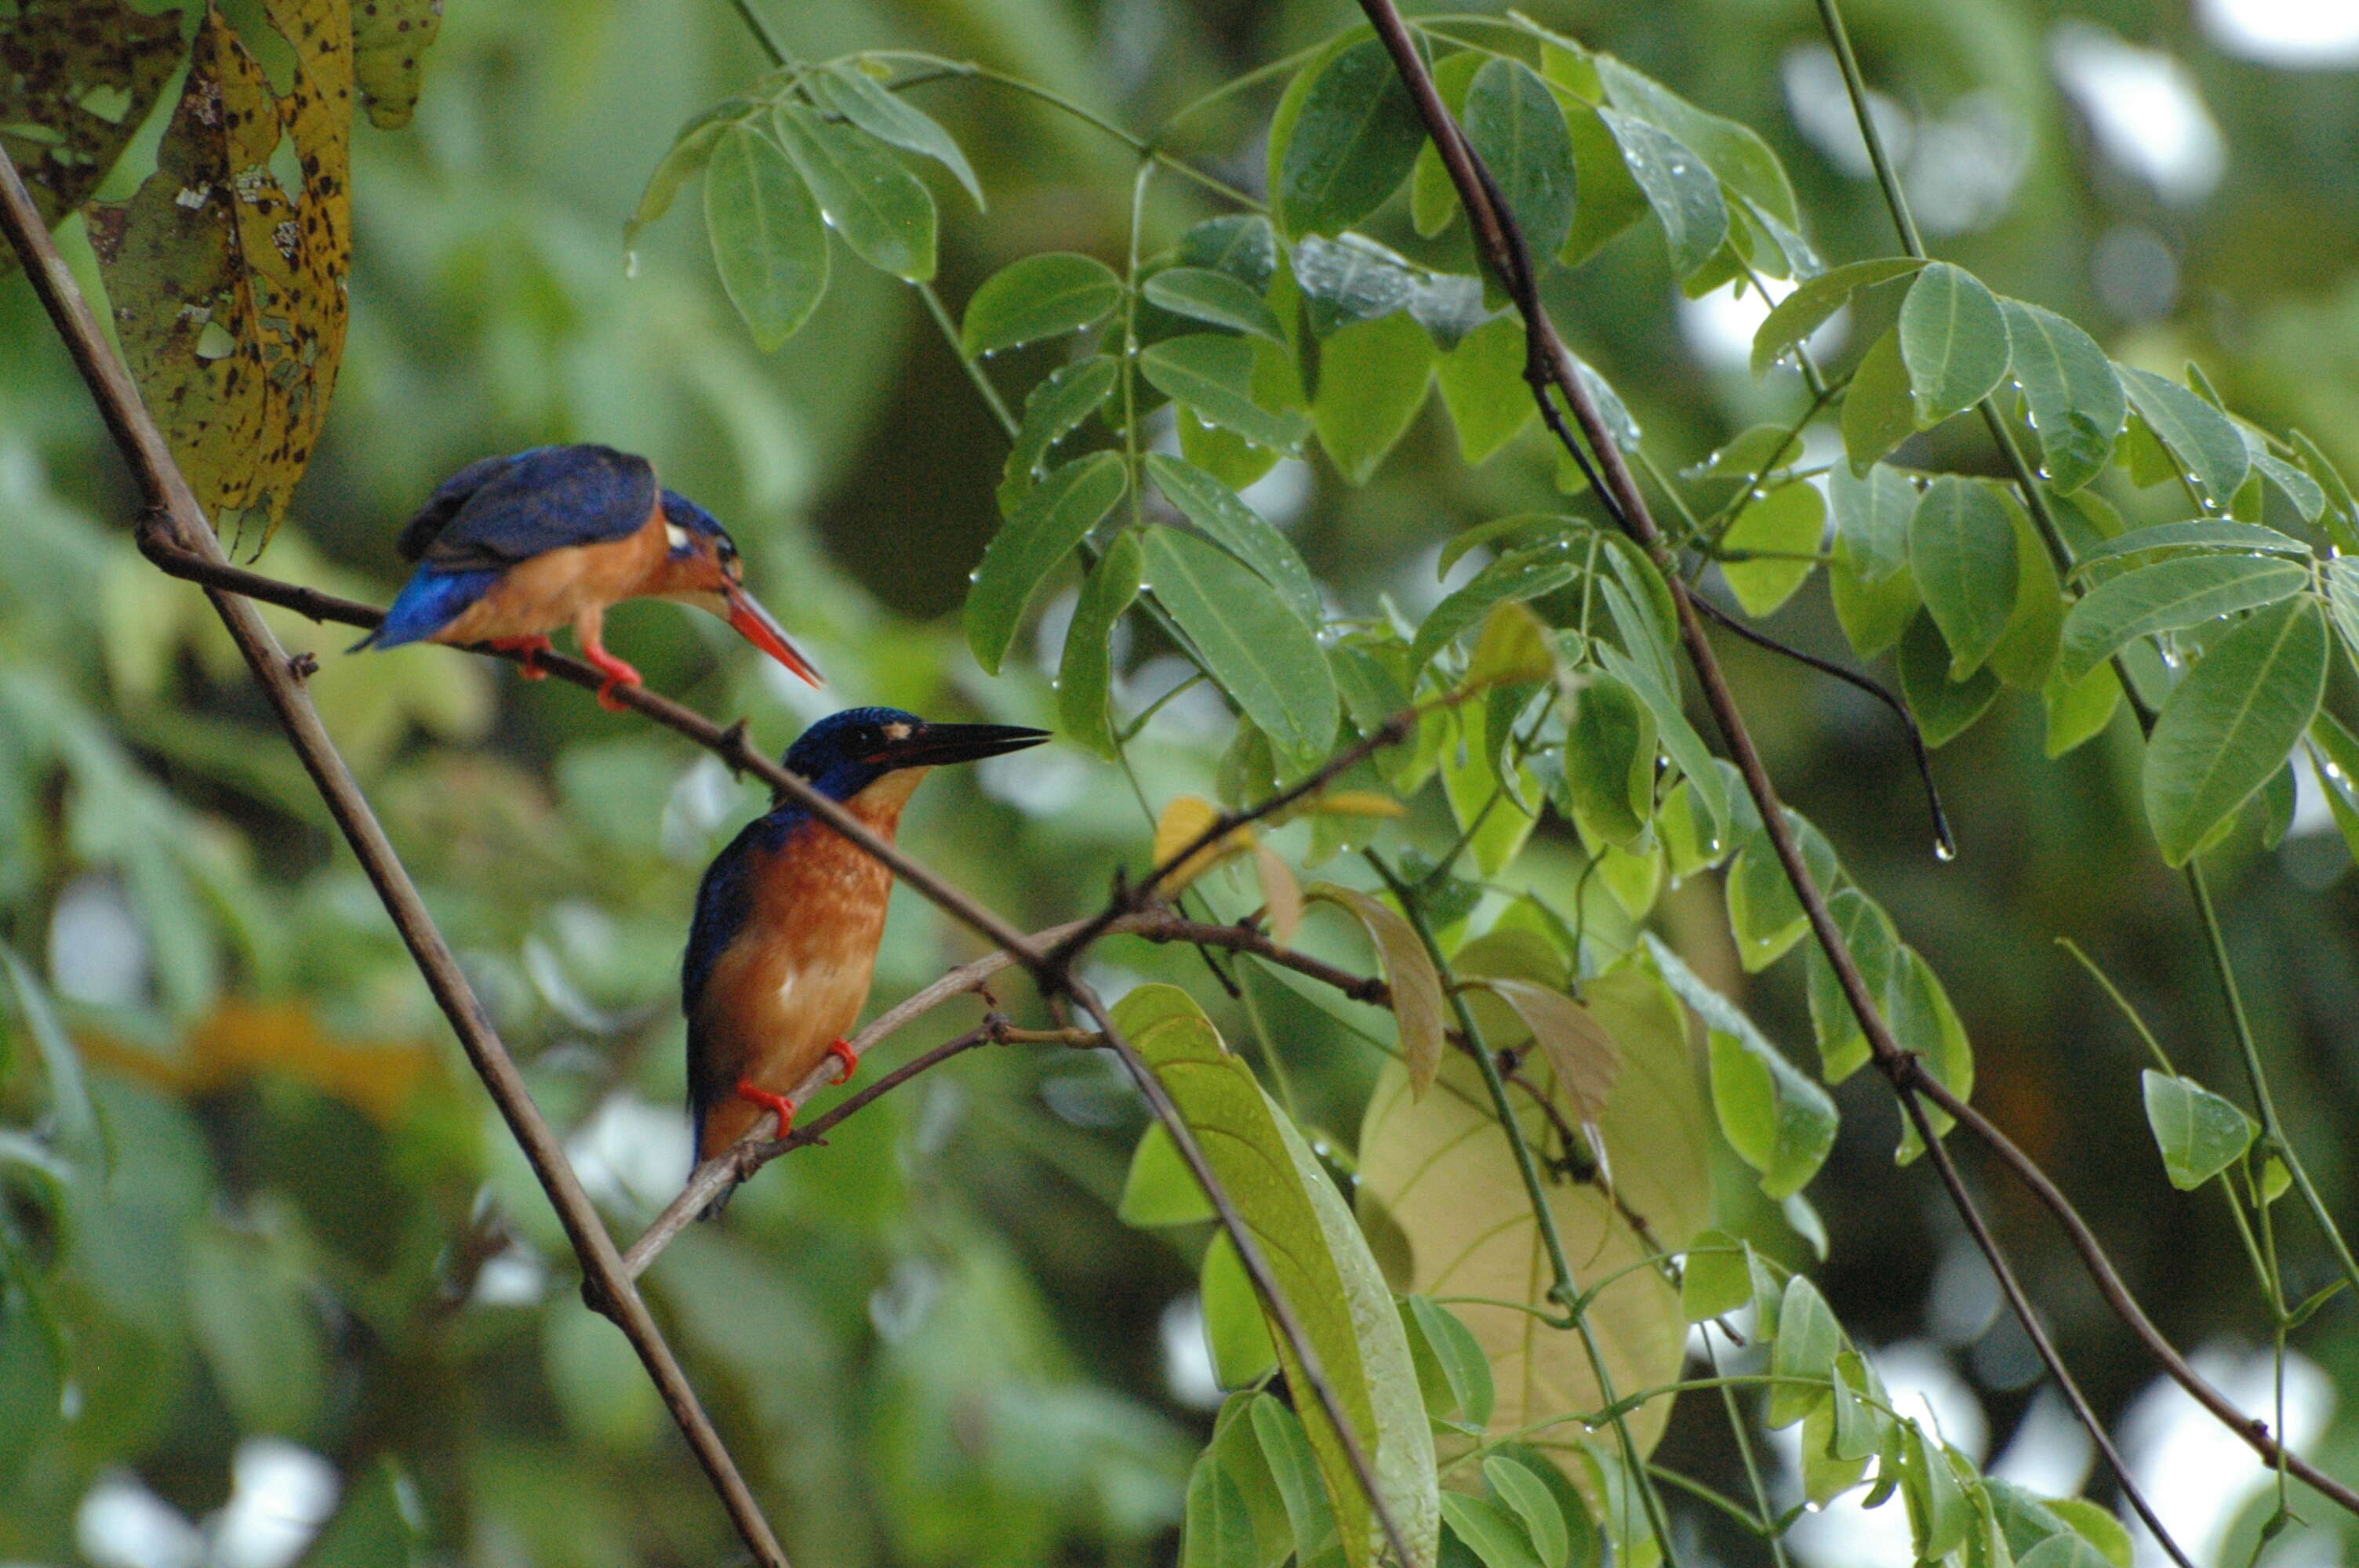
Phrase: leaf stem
[968,363]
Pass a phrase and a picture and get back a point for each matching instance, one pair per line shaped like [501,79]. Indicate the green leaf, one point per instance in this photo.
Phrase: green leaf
[1482,386]
[2204,440]
[1219,1528]
[1488,1531]
[1294,1469]
[1609,763]
[1678,186]
[1734,151]
[1450,1365]
[690,149]
[1320,1263]
[1212,376]
[1806,309]
[1201,294]
[2093,1523]
[1236,1445]
[1808,1340]
[1159,1189]
[1242,1354]
[1055,408]
[1350,279]
[1751,452]
[1255,646]
[1433,200]
[1351,143]
[2026,651]
[1791,521]
[1776,1120]
[1715,1278]
[2336,750]
[863,100]
[1962,551]
[1372,380]
[1953,340]
[1238,528]
[1044,529]
[1528,1497]
[2066,1550]
[2167,597]
[769,242]
[1875,949]
[882,211]
[1512,121]
[1038,297]
[1941,1514]
[1923,1022]
[1239,244]
[2200,1133]
[2078,710]
[2196,533]
[1609,200]
[1877,414]
[2343,600]
[2340,512]
[251,1306]
[1085,674]
[74,1117]
[1872,615]
[2231,722]
[2074,397]
[1686,749]
[1872,513]
[1524,574]
[1944,708]
[1449,306]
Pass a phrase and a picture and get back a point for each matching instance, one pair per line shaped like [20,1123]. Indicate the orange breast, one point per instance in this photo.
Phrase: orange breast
[539,595]
[795,980]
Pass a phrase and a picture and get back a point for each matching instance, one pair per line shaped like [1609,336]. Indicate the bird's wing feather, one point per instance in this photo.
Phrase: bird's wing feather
[724,902]
[500,510]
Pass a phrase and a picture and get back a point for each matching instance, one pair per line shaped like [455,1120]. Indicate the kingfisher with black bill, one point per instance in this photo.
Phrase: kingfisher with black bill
[789,917]
[512,547]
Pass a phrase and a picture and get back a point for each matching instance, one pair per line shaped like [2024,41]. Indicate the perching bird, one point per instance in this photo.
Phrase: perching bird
[510,548]
[789,915]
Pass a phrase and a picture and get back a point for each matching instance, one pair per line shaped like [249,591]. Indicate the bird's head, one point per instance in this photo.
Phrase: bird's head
[702,567]
[845,752]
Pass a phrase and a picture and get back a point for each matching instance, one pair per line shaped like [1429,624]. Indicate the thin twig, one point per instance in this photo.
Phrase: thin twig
[176,509]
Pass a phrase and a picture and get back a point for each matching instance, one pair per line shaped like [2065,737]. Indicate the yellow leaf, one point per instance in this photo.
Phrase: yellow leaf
[86,72]
[1408,970]
[1515,645]
[239,1039]
[229,291]
[1357,803]
[1438,1165]
[1187,819]
[1280,894]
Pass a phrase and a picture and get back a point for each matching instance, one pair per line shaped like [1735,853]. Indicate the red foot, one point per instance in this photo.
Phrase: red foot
[617,673]
[532,648]
[842,1051]
[785,1108]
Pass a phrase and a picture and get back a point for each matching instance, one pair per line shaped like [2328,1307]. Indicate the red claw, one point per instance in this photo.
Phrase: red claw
[841,1051]
[617,673]
[531,648]
[780,1104]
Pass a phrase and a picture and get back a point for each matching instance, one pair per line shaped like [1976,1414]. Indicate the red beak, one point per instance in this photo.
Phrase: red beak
[758,626]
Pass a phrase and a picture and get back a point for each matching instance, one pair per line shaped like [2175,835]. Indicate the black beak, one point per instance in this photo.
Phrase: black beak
[935,745]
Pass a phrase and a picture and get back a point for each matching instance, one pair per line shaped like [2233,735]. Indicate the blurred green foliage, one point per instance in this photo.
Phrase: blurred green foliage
[254,1194]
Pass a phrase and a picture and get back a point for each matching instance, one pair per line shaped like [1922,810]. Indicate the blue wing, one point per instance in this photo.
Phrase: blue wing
[492,514]
[429,601]
[724,901]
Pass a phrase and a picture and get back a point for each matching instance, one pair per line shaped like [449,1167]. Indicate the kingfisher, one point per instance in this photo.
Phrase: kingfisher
[512,548]
[788,917]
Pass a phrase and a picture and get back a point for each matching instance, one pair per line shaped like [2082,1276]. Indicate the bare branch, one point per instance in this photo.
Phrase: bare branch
[179,515]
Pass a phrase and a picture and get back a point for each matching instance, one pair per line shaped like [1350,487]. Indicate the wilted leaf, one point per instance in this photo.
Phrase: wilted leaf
[1184,822]
[83,75]
[230,293]
[1579,1046]
[1409,971]
[387,38]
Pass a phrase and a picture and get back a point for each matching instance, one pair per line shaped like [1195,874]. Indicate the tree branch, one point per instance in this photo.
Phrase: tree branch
[1548,365]
[178,513]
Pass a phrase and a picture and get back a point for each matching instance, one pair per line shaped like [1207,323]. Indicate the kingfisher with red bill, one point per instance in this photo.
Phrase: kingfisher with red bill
[512,547]
[789,916]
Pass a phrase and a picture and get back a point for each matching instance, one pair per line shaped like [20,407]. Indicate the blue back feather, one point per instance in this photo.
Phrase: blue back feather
[429,601]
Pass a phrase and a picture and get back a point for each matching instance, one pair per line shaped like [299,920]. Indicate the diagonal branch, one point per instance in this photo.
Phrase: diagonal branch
[178,511]
[1549,366]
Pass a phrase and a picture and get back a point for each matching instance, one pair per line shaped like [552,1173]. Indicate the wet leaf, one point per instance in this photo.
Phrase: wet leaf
[1351,143]
[1806,309]
[1042,531]
[1953,341]
[1053,410]
[886,116]
[1409,973]
[769,242]
[1038,297]
[2074,399]
[1513,123]
[1789,521]
[2169,596]
[1373,380]
[882,211]
[1877,414]
[2205,442]
[1202,294]
[1212,377]
[1085,674]
[2231,722]
[1680,188]
[2200,1133]
[1962,551]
